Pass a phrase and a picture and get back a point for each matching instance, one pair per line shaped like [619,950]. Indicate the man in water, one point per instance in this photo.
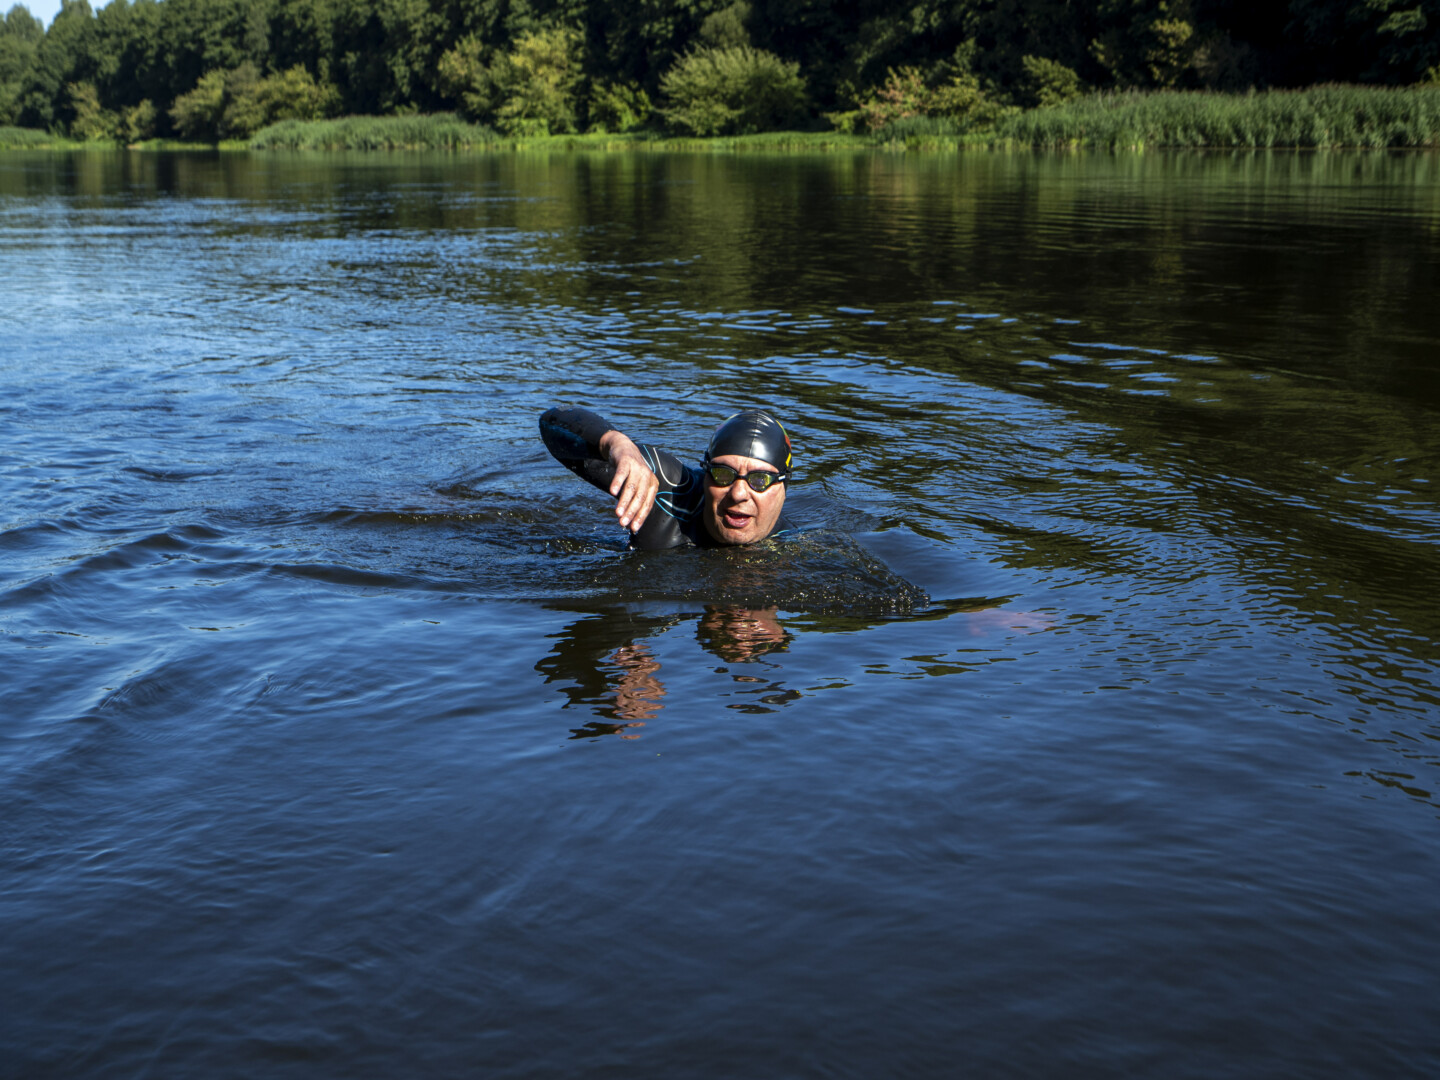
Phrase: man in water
[734,496]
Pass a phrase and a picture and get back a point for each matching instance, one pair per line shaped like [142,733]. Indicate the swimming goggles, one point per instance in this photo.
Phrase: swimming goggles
[758,479]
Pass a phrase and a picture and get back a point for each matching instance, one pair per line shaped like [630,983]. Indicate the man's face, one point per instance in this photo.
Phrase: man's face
[736,514]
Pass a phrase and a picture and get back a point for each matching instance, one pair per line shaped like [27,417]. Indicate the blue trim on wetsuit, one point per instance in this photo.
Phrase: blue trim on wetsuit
[573,438]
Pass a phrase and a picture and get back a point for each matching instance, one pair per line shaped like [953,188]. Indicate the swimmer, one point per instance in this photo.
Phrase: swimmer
[734,496]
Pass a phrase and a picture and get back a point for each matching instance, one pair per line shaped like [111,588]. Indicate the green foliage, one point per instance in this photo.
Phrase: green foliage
[441,131]
[465,78]
[733,90]
[1324,116]
[18,138]
[91,123]
[1048,82]
[138,122]
[197,114]
[293,94]
[905,95]
[725,29]
[618,107]
[21,25]
[560,65]
[20,35]
[902,95]
[918,127]
[1146,43]
[1368,40]
[536,83]
[64,55]
[236,104]
[532,89]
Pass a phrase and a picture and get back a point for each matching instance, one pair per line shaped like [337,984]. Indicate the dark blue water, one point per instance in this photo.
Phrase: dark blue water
[1087,728]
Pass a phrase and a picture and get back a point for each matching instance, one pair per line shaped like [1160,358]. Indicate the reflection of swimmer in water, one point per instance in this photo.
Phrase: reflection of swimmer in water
[739,635]
[609,666]
[734,496]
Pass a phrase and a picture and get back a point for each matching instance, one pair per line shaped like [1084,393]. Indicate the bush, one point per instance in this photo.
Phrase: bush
[291,95]
[905,94]
[197,114]
[138,122]
[726,28]
[536,83]
[92,123]
[531,90]
[237,103]
[465,78]
[1047,82]
[735,90]
[618,107]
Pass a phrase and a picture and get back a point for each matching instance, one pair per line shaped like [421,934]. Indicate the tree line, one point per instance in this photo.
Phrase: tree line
[214,69]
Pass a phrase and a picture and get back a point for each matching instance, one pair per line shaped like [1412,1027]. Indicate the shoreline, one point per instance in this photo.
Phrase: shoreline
[1331,117]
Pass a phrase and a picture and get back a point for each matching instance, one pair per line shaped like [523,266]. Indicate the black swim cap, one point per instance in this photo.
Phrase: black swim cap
[753,434]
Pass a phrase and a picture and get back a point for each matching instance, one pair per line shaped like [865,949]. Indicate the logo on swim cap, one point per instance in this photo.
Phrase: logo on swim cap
[752,434]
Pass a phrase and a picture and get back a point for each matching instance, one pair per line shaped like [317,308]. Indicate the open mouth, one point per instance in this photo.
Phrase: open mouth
[736,520]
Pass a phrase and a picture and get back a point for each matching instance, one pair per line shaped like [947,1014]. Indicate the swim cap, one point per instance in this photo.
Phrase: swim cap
[753,434]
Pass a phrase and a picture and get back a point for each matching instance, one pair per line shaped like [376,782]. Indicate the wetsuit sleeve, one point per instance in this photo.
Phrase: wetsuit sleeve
[573,438]
[672,519]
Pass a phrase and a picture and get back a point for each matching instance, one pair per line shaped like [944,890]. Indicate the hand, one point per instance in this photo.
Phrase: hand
[634,485]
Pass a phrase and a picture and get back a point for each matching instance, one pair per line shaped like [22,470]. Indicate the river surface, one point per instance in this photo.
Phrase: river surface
[1087,725]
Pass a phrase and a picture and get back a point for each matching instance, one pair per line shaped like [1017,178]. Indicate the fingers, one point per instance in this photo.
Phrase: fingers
[635,488]
[634,485]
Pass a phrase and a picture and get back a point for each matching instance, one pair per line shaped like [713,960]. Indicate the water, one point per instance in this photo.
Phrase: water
[1088,727]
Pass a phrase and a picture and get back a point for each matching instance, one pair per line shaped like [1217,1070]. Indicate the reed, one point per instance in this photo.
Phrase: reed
[439,131]
[15,138]
[1318,117]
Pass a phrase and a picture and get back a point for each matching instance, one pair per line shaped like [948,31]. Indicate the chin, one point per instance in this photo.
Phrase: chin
[724,534]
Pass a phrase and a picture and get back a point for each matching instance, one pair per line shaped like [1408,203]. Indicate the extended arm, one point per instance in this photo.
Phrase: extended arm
[588,446]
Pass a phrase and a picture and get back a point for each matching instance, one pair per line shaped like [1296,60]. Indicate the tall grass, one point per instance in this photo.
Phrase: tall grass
[14,138]
[1321,116]
[439,131]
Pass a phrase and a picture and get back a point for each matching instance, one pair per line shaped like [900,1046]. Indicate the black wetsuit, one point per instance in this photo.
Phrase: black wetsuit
[573,437]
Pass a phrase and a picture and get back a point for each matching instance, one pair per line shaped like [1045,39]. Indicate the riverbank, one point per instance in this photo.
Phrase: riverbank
[1321,117]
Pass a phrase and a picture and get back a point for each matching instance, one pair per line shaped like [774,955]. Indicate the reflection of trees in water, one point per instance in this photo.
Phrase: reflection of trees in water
[604,663]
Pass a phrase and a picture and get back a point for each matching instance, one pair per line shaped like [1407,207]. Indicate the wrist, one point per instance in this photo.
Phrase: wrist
[611,441]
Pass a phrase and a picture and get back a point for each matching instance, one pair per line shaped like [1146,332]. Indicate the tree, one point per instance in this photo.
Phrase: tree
[618,107]
[536,83]
[235,104]
[1393,41]
[197,114]
[732,91]
[1048,82]
[20,35]
[138,122]
[1144,43]
[465,78]
[91,121]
